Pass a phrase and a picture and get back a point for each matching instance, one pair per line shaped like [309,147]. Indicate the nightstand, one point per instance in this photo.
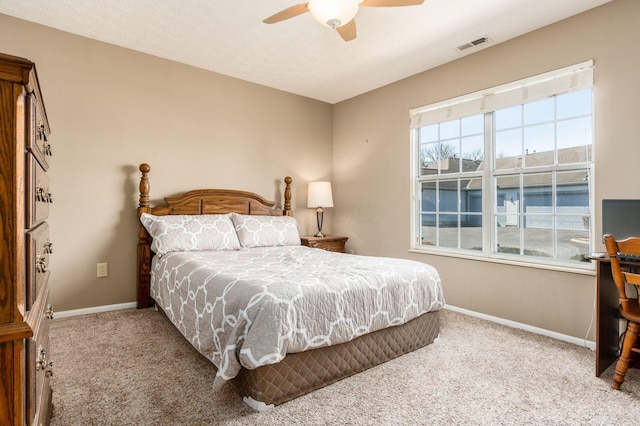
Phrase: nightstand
[328,243]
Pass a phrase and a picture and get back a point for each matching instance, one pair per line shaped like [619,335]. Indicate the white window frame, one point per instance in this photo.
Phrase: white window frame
[568,79]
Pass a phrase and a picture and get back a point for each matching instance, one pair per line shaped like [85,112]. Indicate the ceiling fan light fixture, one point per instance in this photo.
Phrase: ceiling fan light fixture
[333,13]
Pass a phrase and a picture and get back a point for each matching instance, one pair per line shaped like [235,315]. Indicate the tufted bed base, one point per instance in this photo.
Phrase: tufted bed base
[300,373]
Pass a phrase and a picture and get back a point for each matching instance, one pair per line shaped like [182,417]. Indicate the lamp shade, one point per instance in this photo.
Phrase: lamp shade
[333,13]
[319,195]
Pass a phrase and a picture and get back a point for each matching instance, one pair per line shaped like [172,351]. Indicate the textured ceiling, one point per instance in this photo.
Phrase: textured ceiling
[298,55]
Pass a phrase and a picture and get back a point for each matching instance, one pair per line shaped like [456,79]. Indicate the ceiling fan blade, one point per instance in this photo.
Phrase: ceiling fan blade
[390,3]
[348,30]
[287,13]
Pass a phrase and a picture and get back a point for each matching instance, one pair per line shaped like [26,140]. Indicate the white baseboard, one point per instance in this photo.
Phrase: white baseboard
[564,337]
[95,309]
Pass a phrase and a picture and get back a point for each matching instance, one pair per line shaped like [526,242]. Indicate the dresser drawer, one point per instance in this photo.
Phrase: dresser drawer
[37,139]
[39,368]
[38,249]
[38,193]
[330,246]
[336,244]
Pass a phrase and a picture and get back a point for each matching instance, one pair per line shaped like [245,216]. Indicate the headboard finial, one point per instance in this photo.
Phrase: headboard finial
[287,197]
[144,185]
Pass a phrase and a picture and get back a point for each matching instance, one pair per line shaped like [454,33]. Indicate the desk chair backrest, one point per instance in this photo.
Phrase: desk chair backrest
[629,246]
[629,307]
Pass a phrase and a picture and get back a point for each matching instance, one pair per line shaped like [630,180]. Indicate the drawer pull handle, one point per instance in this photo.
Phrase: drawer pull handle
[48,314]
[41,362]
[41,263]
[40,193]
[47,149]
[47,247]
[43,194]
[41,132]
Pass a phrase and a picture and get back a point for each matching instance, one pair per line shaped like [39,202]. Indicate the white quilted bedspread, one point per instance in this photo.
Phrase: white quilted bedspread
[250,307]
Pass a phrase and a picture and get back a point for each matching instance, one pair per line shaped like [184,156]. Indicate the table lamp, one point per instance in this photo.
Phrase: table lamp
[319,196]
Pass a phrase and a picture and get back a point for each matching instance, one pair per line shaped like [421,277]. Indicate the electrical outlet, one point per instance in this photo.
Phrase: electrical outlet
[103,270]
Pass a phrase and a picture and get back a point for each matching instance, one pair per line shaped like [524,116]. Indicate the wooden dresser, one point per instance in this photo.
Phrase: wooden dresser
[25,313]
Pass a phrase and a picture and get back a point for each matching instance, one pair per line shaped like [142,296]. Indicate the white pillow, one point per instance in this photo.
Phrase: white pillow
[190,232]
[265,231]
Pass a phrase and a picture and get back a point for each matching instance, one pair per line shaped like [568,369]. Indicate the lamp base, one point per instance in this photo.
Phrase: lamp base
[319,235]
[319,217]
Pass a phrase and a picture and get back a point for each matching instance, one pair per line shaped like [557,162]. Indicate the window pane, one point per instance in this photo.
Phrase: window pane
[429,133]
[448,230]
[580,224]
[574,104]
[508,118]
[573,238]
[473,125]
[539,111]
[429,158]
[538,194]
[472,152]
[471,195]
[448,196]
[507,240]
[450,157]
[572,202]
[450,129]
[575,138]
[508,149]
[539,145]
[471,235]
[428,229]
[471,222]
[429,197]
[573,191]
[538,242]
[507,202]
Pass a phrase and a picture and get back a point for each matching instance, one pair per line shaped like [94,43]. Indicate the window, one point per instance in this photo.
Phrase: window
[507,173]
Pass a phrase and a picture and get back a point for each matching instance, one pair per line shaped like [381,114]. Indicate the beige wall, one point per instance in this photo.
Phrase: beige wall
[371,160]
[111,109]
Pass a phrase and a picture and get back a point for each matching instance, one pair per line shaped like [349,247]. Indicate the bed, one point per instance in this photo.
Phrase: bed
[276,319]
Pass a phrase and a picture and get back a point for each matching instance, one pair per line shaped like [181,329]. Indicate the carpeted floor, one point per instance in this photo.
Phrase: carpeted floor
[131,367]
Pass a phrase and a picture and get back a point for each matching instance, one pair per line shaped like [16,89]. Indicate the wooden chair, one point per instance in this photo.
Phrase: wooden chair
[629,305]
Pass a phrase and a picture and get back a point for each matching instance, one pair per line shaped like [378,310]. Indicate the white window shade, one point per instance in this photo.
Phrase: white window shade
[575,77]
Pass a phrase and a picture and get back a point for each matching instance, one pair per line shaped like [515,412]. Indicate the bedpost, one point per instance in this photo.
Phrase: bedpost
[287,197]
[144,249]
[144,185]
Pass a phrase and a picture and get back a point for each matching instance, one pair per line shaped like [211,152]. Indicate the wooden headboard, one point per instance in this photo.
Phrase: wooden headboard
[199,201]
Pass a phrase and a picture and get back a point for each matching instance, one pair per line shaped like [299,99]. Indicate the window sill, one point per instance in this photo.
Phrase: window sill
[587,269]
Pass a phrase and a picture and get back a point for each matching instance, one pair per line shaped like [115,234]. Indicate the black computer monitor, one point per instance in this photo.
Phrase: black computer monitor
[621,218]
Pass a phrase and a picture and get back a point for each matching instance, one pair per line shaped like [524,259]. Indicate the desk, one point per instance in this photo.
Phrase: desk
[607,314]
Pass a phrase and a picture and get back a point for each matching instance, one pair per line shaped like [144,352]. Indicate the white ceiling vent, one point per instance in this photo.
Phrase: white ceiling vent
[473,43]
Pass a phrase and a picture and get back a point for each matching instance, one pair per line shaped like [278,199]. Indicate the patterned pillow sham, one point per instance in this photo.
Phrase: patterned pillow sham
[266,231]
[190,232]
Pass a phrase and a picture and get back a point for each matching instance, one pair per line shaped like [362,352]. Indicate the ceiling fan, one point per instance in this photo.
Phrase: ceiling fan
[336,14]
